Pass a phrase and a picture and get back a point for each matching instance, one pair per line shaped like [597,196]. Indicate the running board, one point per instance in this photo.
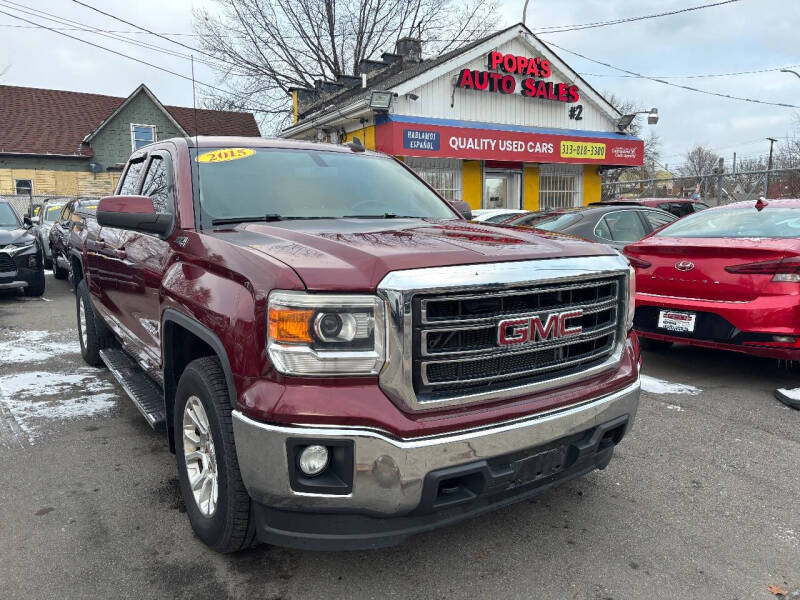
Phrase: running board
[145,394]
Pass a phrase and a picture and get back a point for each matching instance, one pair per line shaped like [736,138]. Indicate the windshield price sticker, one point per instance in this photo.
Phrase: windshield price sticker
[225,154]
[592,150]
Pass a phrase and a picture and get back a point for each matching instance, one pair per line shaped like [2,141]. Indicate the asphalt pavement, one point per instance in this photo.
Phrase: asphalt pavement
[701,500]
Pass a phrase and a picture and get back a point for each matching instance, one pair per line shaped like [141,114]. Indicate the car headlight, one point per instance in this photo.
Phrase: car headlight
[631,297]
[325,334]
[18,247]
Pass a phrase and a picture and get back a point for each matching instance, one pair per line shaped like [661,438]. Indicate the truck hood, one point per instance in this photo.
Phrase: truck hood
[14,236]
[355,254]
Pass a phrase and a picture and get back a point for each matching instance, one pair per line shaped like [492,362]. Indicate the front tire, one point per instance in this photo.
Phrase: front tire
[36,287]
[216,500]
[59,272]
[92,332]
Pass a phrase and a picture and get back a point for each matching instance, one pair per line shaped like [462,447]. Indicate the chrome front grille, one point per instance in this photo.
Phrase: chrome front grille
[444,342]
[458,347]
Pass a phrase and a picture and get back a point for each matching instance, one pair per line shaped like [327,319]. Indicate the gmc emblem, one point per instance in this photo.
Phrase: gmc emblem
[533,329]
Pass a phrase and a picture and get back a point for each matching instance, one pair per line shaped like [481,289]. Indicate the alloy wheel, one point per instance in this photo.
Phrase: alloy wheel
[200,457]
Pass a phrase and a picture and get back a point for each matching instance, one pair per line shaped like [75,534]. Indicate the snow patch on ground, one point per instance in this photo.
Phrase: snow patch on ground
[792,394]
[36,396]
[653,385]
[676,408]
[35,346]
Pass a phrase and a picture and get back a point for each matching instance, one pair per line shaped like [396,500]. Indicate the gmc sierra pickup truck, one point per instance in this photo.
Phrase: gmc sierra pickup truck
[338,358]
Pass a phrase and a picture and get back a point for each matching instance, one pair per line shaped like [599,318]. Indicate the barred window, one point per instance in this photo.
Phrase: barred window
[560,186]
[443,175]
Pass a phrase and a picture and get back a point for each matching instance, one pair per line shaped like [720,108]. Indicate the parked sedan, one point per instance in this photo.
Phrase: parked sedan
[680,207]
[48,215]
[613,225]
[20,257]
[65,232]
[727,278]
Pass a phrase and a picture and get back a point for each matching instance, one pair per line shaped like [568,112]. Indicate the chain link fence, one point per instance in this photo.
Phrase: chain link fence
[711,188]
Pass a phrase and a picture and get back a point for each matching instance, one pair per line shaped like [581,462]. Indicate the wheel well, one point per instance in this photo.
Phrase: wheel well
[181,347]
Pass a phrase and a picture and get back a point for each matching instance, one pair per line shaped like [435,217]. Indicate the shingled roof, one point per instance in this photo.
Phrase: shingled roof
[55,122]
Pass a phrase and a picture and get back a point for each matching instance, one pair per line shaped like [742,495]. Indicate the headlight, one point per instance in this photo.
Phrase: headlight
[18,247]
[325,334]
[631,297]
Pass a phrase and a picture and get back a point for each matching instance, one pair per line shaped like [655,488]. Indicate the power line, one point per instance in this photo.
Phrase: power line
[677,85]
[696,76]
[139,60]
[563,28]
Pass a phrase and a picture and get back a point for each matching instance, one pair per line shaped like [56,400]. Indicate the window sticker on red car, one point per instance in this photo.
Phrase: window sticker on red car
[225,154]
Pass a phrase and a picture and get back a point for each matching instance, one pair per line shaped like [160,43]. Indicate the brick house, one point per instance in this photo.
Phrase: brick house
[55,142]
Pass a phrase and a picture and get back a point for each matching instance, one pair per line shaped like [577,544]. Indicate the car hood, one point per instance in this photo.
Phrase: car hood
[355,254]
[14,236]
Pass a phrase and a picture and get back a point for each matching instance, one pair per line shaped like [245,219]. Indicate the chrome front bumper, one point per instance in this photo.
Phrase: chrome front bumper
[389,473]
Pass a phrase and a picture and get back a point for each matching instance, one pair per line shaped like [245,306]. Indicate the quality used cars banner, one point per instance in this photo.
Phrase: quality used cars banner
[431,139]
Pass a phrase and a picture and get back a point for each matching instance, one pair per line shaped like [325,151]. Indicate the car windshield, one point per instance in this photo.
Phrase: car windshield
[51,212]
[558,223]
[500,217]
[8,218]
[289,183]
[740,222]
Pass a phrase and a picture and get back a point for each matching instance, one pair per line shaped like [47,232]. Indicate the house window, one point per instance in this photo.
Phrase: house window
[443,175]
[141,135]
[560,186]
[23,187]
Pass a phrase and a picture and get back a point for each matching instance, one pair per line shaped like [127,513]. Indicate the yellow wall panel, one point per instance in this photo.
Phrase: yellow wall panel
[6,182]
[66,183]
[472,183]
[365,134]
[530,179]
[592,184]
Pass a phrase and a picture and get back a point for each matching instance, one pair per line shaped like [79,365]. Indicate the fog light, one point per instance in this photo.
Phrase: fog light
[313,460]
[783,339]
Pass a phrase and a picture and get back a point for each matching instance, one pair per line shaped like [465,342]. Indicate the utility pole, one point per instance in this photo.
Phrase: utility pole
[769,165]
[719,170]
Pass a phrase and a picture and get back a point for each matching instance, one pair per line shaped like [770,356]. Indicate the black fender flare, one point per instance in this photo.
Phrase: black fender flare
[170,315]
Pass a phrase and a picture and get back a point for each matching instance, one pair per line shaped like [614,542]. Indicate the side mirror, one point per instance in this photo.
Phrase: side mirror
[135,213]
[463,209]
[28,222]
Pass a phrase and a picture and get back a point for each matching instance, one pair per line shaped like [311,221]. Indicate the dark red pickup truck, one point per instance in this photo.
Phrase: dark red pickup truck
[338,358]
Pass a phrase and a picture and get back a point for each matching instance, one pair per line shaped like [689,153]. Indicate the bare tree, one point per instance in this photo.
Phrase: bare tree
[262,48]
[698,161]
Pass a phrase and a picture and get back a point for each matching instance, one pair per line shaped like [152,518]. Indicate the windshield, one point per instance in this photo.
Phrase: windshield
[558,223]
[287,183]
[744,222]
[8,218]
[51,212]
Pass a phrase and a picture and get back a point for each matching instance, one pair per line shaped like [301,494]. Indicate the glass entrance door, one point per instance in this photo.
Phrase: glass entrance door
[502,189]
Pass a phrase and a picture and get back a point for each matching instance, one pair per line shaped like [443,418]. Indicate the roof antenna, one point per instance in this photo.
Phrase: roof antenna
[356,145]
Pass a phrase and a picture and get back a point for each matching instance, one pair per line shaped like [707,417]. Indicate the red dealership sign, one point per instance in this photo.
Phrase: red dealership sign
[535,70]
[402,138]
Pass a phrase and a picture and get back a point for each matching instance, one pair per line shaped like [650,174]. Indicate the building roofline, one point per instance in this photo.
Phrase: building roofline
[141,88]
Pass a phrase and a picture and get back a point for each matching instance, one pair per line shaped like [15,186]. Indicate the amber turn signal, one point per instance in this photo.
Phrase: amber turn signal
[290,325]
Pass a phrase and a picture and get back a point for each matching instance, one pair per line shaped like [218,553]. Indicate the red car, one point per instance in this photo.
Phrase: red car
[727,278]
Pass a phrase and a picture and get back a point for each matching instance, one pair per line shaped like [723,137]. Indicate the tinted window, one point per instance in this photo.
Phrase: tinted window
[8,218]
[601,230]
[51,212]
[558,223]
[131,178]
[657,219]
[699,206]
[498,218]
[744,222]
[310,184]
[158,185]
[67,212]
[625,226]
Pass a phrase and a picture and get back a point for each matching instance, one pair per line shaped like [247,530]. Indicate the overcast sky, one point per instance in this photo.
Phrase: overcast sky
[743,36]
